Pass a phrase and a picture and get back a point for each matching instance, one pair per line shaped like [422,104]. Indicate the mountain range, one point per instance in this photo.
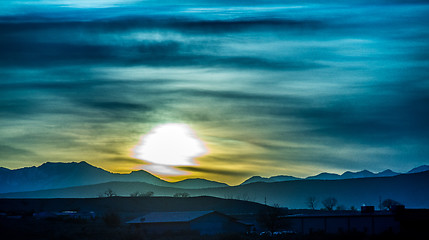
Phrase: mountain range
[333,176]
[82,180]
[412,190]
[345,175]
[62,175]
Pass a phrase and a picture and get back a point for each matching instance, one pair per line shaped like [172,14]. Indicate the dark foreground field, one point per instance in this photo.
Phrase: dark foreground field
[30,219]
[70,230]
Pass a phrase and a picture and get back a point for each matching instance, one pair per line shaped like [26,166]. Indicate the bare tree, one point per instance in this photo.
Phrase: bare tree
[147,194]
[183,195]
[330,203]
[312,202]
[135,194]
[139,194]
[389,204]
[109,193]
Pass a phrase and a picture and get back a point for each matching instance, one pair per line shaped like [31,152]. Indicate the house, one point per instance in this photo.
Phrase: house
[65,215]
[204,222]
[368,222]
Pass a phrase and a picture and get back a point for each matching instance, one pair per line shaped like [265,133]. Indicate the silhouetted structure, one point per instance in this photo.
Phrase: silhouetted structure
[367,209]
[367,221]
[204,222]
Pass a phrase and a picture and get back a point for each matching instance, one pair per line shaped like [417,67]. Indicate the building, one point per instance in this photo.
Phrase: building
[65,215]
[204,222]
[338,222]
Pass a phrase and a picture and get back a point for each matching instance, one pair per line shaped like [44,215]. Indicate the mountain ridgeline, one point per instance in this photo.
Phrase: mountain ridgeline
[333,176]
[60,175]
[81,180]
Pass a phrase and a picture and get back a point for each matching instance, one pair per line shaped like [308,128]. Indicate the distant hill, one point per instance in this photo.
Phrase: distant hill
[422,168]
[325,176]
[60,175]
[387,173]
[409,189]
[2,169]
[195,183]
[329,176]
[350,175]
[280,178]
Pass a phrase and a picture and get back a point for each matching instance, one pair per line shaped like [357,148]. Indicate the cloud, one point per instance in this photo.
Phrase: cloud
[118,109]
[217,171]
[163,170]
[9,152]
[124,160]
[54,43]
[270,86]
[29,52]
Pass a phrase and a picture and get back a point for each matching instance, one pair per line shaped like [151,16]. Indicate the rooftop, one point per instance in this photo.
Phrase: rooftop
[341,214]
[166,217]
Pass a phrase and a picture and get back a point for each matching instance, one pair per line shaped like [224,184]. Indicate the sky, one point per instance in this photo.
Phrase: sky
[262,87]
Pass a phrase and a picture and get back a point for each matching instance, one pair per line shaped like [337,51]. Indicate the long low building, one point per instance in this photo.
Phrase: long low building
[204,222]
[337,222]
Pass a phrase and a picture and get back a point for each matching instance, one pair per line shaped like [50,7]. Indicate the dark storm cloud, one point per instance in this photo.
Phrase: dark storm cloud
[408,111]
[187,24]
[391,120]
[236,95]
[375,124]
[82,94]
[52,85]
[59,43]
[36,53]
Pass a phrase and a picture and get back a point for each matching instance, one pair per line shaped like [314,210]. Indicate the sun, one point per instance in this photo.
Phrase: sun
[168,145]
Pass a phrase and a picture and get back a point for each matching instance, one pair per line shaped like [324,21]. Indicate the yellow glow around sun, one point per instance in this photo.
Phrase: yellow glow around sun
[169,145]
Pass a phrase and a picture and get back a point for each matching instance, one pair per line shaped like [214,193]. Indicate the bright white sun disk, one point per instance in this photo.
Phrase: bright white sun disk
[172,144]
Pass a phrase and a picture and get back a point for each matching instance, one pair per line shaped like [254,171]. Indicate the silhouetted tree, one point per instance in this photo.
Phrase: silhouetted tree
[340,208]
[109,193]
[135,194]
[389,204]
[139,194]
[329,203]
[148,194]
[311,202]
[184,194]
